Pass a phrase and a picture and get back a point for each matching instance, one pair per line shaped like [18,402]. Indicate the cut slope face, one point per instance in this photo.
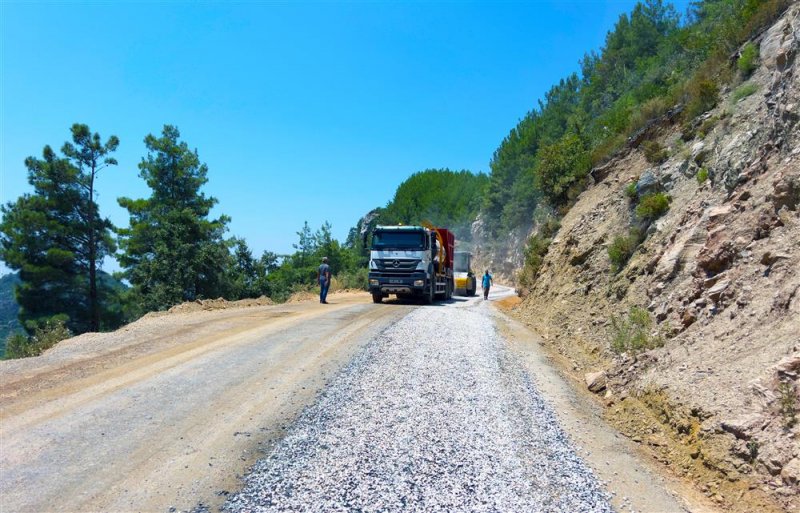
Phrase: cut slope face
[719,272]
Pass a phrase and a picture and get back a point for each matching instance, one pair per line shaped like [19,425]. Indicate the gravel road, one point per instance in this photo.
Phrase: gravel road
[356,406]
[163,414]
[434,414]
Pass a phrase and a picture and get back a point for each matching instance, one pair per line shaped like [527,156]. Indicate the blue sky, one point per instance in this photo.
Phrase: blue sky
[303,111]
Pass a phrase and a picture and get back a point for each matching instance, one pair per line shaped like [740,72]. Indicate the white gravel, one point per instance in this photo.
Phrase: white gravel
[433,415]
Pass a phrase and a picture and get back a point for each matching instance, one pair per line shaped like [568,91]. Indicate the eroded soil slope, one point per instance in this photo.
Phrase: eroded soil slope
[720,273]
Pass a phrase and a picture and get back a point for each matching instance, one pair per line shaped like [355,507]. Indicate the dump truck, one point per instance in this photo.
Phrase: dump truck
[411,262]
[466,283]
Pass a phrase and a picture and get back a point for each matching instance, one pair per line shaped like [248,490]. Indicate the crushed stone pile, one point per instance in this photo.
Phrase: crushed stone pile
[430,416]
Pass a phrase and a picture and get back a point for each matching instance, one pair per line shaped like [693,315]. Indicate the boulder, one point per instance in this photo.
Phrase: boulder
[790,473]
[716,213]
[596,381]
[717,257]
[716,291]
[648,183]
[786,192]
[770,258]
[789,365]
[778,46]
[689,317]
[743,426]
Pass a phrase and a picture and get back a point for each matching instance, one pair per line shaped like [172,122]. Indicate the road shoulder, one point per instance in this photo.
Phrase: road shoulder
[634,485]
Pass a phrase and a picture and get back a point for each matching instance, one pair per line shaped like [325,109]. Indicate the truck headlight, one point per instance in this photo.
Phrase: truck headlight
[419,283]
[373,282]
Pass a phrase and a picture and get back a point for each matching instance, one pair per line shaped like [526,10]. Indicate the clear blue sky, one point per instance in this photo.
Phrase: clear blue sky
[303,111]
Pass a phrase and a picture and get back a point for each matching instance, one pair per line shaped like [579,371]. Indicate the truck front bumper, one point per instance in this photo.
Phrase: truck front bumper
[394,284]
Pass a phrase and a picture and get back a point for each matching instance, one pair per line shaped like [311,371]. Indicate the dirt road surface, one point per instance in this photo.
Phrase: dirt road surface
[171,411]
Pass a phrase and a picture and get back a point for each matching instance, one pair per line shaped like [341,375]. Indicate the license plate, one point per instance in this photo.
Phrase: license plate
[396,281]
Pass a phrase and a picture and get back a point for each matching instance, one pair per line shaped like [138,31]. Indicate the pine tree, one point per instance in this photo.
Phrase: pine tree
[89,155]
[305,244]
[172,251]
[55,236]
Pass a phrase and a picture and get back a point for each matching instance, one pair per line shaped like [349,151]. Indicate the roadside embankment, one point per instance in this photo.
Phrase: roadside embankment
[711,389]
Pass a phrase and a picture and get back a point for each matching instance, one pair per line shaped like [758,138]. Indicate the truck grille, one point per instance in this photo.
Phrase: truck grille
[396,265]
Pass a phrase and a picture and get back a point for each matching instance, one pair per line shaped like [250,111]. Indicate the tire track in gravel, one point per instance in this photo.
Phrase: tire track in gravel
[435,414]
[174,424]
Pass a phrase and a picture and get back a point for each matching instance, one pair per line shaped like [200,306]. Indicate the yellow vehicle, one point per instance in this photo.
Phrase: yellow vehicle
[466,283]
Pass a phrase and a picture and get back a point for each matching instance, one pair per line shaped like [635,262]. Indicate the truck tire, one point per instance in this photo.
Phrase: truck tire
[430,296]
[377,297]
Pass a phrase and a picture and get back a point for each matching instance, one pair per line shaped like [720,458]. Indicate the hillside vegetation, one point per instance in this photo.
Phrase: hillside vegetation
[665,275]
[440,197]
[654,66]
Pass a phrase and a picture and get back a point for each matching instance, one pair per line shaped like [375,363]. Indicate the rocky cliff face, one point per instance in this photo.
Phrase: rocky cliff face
[503,258]
[719,274]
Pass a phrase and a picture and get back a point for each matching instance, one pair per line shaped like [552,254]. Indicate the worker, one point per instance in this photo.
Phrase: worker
[487,284]
[324,279]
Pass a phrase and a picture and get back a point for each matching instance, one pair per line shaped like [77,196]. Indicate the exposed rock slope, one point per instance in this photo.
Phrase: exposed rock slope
[719,272]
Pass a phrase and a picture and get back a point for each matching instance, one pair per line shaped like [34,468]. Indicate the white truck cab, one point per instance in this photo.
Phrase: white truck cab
[411,261]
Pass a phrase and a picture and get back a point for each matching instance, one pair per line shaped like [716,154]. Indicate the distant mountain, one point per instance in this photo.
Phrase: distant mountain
[8,309]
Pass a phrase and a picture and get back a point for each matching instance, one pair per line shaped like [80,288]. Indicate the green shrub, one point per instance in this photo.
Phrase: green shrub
[702,175]
[356,279]
[654,152]
[747,59]
[702,96]
[622,247]
[650,110]
[17,346]
[630,190]
[743,91]
[606,147]
[561,168]
[688,130]
[707,126]
[633,334]
[44,337]
[788,403]
[652,206]
[535,251]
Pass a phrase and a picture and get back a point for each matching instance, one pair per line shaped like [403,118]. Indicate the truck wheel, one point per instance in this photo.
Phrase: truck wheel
[431,295]
[377,297]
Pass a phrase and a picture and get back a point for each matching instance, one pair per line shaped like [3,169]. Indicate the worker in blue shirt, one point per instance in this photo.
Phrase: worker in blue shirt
[487,284]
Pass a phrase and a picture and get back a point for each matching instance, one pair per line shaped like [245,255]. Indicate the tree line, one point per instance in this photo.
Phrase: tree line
[172,250]
[652,61]
[655,66]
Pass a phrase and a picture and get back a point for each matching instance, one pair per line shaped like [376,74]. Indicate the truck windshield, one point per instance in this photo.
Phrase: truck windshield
[461,262]
[398,240]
